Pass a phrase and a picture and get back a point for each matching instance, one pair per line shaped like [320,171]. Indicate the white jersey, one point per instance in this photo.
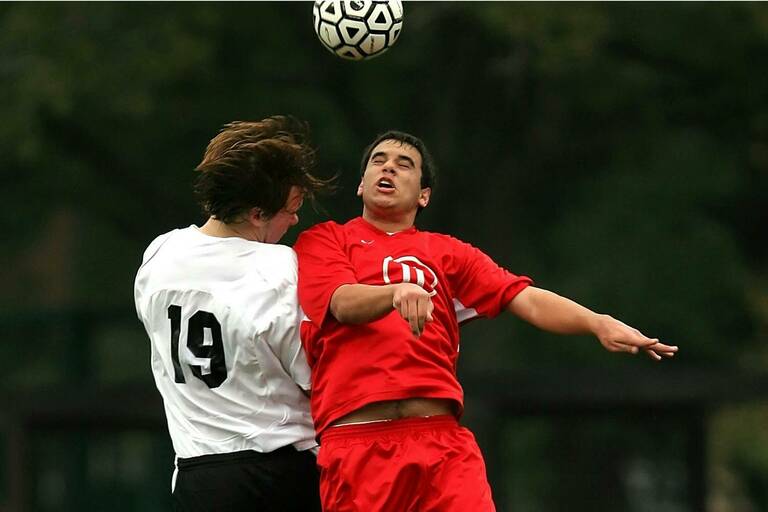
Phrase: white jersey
[223,318]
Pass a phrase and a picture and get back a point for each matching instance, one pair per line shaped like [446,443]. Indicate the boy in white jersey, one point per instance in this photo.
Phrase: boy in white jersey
[219,303]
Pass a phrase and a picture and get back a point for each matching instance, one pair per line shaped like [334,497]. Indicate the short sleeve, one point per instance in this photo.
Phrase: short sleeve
[323,267]
[479,283]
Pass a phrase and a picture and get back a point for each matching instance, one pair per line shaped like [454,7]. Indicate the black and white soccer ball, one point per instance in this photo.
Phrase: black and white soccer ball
[358,30]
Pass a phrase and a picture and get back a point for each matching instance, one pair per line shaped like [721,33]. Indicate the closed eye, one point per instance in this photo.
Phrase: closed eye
[406,163]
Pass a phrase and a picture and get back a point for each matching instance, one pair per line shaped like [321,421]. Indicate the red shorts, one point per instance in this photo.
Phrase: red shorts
[406,465]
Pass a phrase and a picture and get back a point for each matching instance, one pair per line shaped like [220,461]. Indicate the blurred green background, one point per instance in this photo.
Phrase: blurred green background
[616,152]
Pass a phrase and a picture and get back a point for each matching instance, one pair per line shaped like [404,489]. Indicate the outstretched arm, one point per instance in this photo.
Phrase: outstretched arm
[553,313]
[361,303]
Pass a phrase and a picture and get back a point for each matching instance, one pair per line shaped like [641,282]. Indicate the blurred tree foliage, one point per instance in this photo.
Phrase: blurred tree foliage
[616,152]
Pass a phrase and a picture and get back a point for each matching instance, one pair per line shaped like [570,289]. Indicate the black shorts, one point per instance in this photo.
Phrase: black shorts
[285,480]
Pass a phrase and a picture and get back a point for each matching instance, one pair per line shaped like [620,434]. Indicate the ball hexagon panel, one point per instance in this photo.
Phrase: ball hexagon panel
[349,52]
[374,43]
[352,31]
[380,17]
[329,35]
[394,32]
[330,10]
[356,8]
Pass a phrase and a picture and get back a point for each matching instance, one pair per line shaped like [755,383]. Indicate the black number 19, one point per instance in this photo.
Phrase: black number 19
[196,326]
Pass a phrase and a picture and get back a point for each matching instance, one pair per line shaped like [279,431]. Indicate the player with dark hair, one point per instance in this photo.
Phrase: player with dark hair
[384,302]
[219,303]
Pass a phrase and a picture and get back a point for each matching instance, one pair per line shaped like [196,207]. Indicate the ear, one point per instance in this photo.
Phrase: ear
[255,217]
[424,197]
[360,188]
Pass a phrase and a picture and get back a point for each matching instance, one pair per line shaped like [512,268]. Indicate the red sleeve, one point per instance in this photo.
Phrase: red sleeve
[479,283]
[323,267]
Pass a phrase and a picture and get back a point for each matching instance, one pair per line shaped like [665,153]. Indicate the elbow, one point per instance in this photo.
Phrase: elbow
[346,308]
[339,316]
[335,312]
[341,313]
[337,309]
[346,318]
[348,315]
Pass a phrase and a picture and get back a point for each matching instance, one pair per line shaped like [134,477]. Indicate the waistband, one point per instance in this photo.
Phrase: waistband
[418,423]
[223,458]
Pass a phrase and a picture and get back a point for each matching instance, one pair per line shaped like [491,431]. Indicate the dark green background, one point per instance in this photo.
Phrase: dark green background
[615,152]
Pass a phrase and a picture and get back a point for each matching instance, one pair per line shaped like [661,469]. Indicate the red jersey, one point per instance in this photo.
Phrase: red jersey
[354,365]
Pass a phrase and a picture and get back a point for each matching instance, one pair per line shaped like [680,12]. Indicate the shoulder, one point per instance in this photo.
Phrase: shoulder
[442,240]
[270,290]
[154,247]
[322,233]
[323,228]
[278,256]
[275,262]
[268,280]
[452,250]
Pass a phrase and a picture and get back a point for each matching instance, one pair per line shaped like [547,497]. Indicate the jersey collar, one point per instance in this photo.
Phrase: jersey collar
[360,221]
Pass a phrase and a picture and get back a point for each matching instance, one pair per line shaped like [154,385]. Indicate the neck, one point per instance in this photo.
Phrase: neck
[216,228]
[389,224]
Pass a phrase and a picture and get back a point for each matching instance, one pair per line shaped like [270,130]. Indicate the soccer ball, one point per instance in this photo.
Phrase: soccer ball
[358,30]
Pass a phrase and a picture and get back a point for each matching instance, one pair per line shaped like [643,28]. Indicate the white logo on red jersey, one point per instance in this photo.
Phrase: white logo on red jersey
[409,269]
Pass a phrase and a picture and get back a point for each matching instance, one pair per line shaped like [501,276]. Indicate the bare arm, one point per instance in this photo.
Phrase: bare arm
[361,303]
[553,313]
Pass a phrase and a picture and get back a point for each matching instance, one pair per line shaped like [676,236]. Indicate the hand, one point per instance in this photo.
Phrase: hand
[414,304]
[617,336]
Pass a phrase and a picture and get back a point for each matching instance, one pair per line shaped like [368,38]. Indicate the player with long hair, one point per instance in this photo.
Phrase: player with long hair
[219,303]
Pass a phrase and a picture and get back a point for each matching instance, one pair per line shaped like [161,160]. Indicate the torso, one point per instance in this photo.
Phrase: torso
[378,370]
[222,316]
[395,409]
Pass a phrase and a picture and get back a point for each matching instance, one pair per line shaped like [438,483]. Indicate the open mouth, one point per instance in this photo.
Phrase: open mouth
[385,184]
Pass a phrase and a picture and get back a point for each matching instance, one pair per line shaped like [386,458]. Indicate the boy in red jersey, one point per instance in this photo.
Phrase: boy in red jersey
[384,302]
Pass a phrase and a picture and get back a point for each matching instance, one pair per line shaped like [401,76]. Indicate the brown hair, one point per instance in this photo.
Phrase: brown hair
[254,165]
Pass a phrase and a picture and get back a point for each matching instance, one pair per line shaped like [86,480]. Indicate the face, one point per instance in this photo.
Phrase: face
[391,182]
[276,227]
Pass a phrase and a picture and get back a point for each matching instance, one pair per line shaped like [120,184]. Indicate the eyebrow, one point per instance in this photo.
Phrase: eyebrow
[399,157]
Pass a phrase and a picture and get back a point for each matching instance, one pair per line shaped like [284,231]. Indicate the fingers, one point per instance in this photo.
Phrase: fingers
[658,356]
[639,340]
[653,355]
[421,313]
[634,343]
[656,351]
[660,351]
[661,348]
[405,311]
[416,316]
[415,306]
[629,342]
